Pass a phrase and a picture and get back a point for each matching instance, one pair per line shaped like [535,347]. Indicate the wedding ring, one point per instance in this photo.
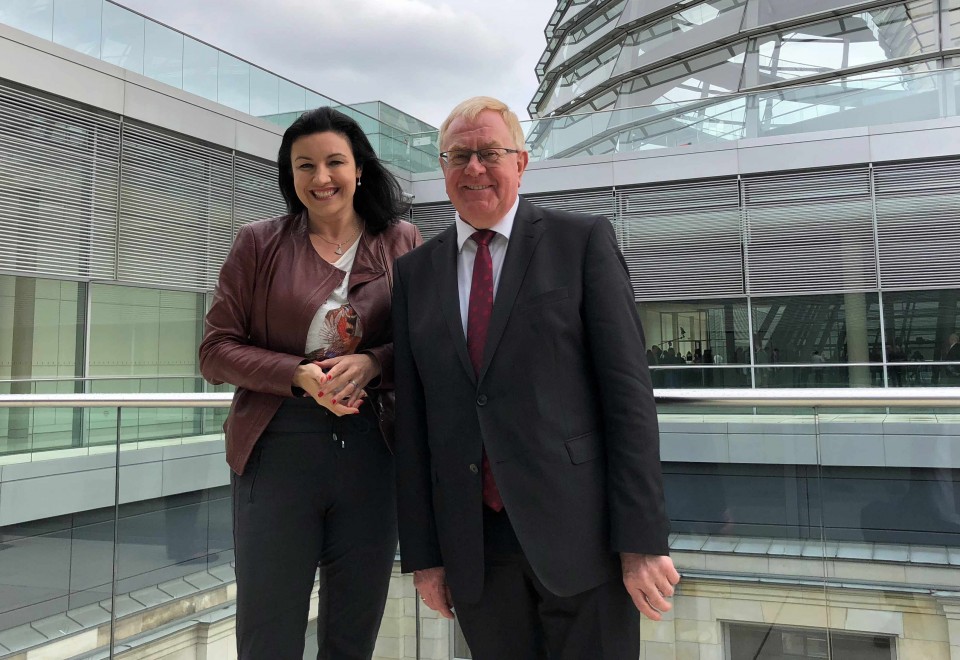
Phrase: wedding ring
[354,383]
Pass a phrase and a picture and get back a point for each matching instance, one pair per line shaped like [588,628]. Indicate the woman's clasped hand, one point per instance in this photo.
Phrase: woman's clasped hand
[338,383]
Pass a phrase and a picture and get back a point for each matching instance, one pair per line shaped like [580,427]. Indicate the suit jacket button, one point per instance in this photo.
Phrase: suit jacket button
[474,468]
[482,400]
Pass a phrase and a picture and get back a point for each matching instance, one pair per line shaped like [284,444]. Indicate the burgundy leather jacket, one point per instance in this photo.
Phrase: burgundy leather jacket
[271,286]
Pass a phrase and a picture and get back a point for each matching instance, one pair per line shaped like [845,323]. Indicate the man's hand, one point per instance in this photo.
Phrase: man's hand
[649,580]
[434,592]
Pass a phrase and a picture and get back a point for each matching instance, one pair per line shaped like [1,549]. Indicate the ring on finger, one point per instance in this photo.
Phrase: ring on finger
[355,384]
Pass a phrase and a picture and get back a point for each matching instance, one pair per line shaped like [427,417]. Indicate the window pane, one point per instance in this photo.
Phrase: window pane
[33,16]
[817,331]
[76,25]
[693,342]
[922,327]
[144,332]
[199,69]
[163,54]
[122,38]
[233,82]
[41,330]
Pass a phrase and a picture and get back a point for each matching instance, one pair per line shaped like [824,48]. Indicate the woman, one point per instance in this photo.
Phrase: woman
[300,323]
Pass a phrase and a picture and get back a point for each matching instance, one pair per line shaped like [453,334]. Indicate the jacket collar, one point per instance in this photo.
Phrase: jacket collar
[368,264]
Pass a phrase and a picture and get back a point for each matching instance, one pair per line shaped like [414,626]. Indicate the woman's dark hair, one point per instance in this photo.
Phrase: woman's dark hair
[378,202]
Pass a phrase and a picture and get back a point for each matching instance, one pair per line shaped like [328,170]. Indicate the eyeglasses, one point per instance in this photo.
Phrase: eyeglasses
[490,156]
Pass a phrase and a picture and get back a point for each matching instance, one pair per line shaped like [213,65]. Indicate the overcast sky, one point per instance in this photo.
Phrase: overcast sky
[421,56]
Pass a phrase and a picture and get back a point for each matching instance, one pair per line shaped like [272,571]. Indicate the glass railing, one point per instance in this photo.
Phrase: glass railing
[806,523]
[116,35]
[52,433]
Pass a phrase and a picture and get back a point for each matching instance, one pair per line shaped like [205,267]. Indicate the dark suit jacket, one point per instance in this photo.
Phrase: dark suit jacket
[563,405]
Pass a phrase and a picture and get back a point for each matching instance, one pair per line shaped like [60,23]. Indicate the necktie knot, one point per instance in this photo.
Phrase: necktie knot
[483,236]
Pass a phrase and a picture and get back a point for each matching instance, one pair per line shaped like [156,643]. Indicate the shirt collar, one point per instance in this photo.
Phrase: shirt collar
[503,227]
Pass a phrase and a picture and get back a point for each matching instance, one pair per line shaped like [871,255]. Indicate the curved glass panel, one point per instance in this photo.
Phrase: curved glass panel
[854,101]
[581,37]
[711,74]
[770,12]
[574,8]
[700,24]
[950,23]
[581,79]
[860,39]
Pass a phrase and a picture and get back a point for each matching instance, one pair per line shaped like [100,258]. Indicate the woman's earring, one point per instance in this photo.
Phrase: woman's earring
[358,182]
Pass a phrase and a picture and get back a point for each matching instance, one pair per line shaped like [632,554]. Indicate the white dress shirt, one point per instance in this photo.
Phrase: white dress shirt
[467,254]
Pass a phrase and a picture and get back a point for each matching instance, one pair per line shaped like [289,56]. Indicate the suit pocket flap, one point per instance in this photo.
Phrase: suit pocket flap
[584,448]
[546,297]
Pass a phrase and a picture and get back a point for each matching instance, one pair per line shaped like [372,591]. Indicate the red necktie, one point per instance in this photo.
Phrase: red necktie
[478,320]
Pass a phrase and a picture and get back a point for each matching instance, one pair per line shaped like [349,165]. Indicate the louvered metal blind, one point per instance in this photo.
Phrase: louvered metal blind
[682,240]
[175,209]
[256,193]
[58,187]
[810,231]
[256,196]
[596,202]
[918,224]
[431,219]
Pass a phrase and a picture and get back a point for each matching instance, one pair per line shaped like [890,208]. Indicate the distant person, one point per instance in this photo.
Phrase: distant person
[951,372]
[300,324]
[896,356]
[818,360]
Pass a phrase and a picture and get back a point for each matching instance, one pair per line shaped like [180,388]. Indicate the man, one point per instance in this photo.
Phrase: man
[528,469]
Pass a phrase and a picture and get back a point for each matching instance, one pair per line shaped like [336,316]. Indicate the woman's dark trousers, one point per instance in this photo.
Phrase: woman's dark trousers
[318,491]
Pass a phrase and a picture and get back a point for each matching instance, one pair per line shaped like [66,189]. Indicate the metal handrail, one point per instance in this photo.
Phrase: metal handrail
[84,379]
[851,397]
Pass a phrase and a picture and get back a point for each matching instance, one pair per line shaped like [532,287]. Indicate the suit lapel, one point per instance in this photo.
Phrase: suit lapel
[445,267]
[527,229]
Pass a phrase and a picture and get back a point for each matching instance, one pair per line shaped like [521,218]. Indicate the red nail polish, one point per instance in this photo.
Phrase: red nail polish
[319,393]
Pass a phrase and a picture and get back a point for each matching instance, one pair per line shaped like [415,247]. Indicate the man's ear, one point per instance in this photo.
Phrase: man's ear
[523,159]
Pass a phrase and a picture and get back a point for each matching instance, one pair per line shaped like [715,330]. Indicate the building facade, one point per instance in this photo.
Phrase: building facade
[788,222]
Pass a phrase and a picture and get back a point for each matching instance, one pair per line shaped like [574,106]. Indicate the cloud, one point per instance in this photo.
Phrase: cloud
[421,56]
